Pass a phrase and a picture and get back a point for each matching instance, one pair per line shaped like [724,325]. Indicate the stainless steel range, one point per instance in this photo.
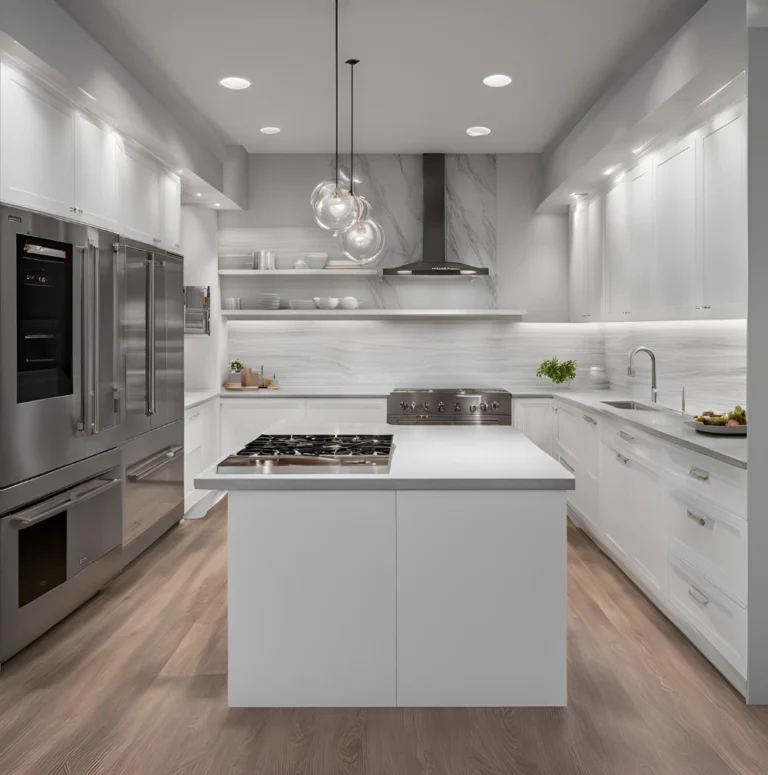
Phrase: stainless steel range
[312,454]
[459,406]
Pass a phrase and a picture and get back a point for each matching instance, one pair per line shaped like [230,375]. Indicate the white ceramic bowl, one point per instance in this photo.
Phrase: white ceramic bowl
[302,304]
[316,260]
[349,302]
[326,302]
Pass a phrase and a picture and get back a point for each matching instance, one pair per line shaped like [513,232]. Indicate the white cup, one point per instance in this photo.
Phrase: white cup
[349,302]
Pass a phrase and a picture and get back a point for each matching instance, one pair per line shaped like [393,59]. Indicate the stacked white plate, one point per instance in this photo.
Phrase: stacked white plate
[268,301]
[305,304]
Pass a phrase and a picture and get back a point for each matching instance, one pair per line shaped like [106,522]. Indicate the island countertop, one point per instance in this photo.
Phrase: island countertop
[444,457]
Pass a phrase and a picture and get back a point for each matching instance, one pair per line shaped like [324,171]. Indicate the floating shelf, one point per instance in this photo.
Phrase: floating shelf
[298,272]
[373,314]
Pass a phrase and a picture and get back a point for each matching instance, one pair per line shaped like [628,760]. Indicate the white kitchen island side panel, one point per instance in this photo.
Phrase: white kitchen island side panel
[481,599]
[311,590]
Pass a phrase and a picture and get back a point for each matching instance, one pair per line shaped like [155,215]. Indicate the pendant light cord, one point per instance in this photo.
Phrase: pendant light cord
[352,63]
[336,64]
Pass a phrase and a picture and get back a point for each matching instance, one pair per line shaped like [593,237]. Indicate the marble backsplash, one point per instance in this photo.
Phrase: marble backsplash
[707,357]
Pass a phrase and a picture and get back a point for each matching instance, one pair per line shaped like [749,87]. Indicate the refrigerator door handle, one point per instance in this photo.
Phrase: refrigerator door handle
[151,386]
[94,337]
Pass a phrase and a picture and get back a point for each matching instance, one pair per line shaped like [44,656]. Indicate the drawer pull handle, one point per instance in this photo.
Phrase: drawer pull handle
[590,420]
[624,435]
[698,518]
[567,466]
[699,473]
[83,560]
[623,459]
[698,596]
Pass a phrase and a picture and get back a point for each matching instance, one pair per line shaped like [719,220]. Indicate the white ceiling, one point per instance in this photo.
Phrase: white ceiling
[420,77]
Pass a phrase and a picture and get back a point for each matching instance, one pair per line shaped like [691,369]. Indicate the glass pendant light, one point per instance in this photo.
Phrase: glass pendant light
[335,207]
[364,241]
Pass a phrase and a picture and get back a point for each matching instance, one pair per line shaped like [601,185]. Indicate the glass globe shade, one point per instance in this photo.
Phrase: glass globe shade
[364,242]
[336,211]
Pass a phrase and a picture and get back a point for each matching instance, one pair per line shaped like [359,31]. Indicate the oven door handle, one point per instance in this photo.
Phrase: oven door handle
[49,508]
[155,463]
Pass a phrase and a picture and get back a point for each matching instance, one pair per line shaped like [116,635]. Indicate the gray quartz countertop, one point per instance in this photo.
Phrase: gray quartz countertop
[194,398]
[665,424]
[442,457]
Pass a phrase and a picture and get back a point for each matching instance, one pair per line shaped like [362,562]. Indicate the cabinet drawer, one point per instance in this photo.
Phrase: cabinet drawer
[343,410]
[719,482]
[631,441]
[711,539]
[718,618]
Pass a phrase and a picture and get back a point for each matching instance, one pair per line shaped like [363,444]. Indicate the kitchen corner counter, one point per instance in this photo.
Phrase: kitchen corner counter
[666,424]
[194,398]
[425,458]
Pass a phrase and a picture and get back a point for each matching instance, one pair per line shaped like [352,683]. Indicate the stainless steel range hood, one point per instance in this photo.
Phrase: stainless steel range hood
[434,263]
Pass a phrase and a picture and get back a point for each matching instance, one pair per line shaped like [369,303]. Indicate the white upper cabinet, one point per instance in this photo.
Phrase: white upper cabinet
[138,192]
[95,173]
[593,288]
[722,270]
[675,213]
[618,253]
[170,211]
[37,147]
[676,229]
[578,260]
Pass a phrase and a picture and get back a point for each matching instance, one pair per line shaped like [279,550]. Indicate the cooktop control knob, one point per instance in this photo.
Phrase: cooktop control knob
[441,407]
[483,407]
[403,405]
[426,406]
[473,408]
[495,406]
[407,408]
[457,407]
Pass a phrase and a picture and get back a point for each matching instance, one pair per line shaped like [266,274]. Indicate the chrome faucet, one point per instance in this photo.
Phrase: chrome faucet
[631,368]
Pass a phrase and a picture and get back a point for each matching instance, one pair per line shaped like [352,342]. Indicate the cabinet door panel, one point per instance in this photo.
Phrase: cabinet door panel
[37,147]
[170,211]
[578,261]
[617,252]
[615,501]
[724,216]
[676,228]
[642,264]
[343,410]
[138,187]
[594,271]
[534,418]
[95,173]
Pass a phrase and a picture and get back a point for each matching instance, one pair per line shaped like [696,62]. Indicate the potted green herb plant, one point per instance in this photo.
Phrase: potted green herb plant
[236,369]
[561,373]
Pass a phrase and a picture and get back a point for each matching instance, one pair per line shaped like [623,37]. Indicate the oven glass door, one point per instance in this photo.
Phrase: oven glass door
[44,314]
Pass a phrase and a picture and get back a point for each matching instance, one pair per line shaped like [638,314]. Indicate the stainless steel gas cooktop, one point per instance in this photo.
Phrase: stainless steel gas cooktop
[312,454]
[450,406]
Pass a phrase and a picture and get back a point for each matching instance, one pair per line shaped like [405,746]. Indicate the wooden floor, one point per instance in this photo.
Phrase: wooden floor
[134,682]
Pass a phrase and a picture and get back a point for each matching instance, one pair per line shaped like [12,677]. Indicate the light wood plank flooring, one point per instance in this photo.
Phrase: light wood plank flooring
[134,683]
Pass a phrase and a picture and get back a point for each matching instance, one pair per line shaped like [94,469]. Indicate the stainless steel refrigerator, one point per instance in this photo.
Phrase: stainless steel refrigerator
[153,338]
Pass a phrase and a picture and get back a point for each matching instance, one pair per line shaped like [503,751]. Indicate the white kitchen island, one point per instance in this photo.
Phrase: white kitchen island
[439,583]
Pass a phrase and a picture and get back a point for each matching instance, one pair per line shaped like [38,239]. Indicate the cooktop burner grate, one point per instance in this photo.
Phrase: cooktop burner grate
[340,445]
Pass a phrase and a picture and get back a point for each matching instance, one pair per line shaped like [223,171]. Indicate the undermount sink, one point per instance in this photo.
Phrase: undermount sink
[631,405]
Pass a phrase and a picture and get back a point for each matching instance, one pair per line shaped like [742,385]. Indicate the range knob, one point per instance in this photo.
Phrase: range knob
[407,408]
[457,407]
[495,406]
[473,408]
[483,407]
[426,406]
[441,407]
[403,405]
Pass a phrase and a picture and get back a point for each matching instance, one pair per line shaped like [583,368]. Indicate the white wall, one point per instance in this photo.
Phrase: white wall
[532,249]
[203,355]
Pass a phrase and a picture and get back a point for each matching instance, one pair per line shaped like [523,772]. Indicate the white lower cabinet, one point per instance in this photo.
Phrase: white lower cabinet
[244,419]
[533,417]
[201,449]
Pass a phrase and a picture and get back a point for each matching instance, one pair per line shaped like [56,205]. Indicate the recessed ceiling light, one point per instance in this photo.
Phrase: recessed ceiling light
[497,80]
[179,172]
[198,194]
[270,130]
[478,131]
[234,82]
[610,170]
[217,204]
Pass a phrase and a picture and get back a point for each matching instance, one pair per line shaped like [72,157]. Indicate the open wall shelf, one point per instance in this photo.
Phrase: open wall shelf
[374,314]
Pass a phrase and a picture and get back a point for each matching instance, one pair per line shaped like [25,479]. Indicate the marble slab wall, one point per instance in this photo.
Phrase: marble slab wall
[279,219]
[386,354]
[708,358]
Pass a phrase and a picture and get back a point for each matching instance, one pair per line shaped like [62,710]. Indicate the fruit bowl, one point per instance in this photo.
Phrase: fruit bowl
[717,430]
